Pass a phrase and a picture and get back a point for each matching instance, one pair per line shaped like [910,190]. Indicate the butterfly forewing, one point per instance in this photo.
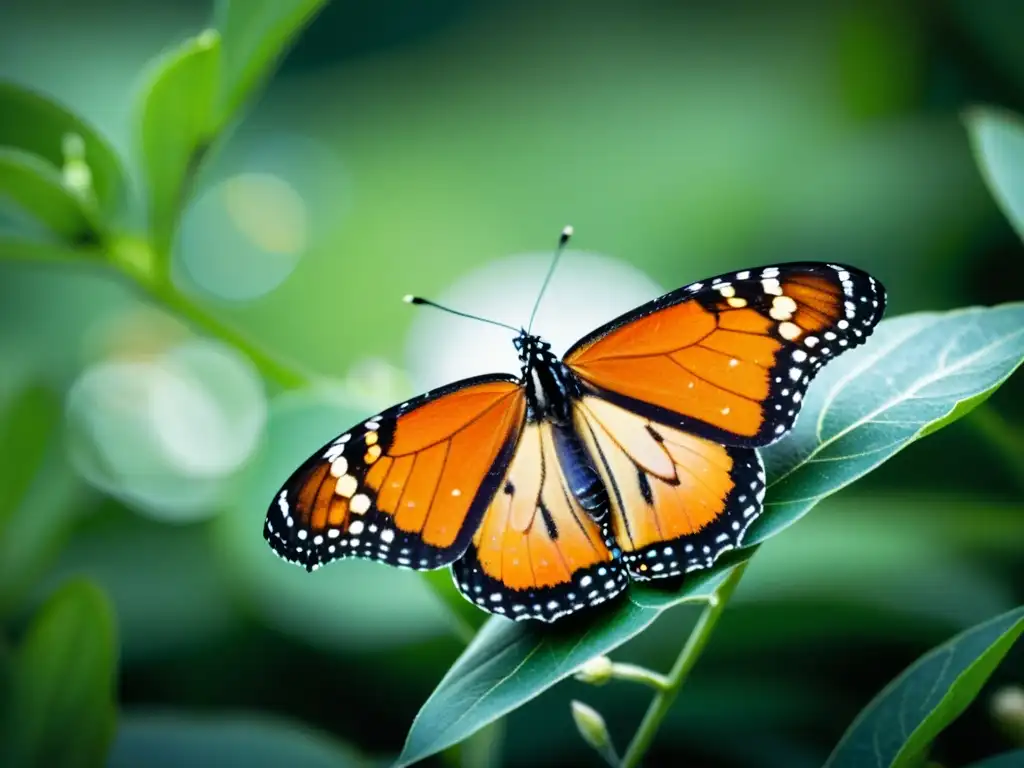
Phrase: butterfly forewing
[538,554]
[730,358]
[407,487]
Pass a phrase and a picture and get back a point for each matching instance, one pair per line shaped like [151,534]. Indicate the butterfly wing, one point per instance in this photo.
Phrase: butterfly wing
[730,359]
[407,487]
[538,554]
[678,501]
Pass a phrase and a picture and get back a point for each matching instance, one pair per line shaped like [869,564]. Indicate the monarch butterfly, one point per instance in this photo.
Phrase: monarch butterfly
[633,457]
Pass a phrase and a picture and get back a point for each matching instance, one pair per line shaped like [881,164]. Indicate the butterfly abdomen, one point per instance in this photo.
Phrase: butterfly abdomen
[584,481]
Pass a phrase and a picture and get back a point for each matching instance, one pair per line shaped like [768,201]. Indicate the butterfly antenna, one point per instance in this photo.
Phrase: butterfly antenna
[562,240]
[419,300]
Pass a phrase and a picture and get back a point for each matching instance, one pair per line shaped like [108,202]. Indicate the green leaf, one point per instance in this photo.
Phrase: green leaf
[508,663]
[169,740]
[913,377]
[896,728]
[42,127]
[36,187]
[255,34]
[997,138]
[41,498]
[62,708]
[1014,759]
[176,129]
[27,250]
[27,423]
[863,408]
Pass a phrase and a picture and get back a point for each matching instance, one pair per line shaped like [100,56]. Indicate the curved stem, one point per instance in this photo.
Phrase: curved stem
[288,377]
[272,368]
[695,643]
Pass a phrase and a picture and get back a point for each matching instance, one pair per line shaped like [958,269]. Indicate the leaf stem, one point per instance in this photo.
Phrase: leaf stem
[636,674]
[695,643]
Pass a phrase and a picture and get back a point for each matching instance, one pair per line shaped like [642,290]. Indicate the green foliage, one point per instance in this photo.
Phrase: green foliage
[997,137]
[508,664]
[177,127]
[918,374]
[35,510]
[167,740]
[61,707]
[1013,759]
[37,187]
[43,128]
[26,420]
[929,364]
[897,727]
[255,34]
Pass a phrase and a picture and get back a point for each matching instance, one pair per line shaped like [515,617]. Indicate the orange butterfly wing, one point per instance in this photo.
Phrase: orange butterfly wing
[678,501]
[537,553]
[407,487]
[730,359]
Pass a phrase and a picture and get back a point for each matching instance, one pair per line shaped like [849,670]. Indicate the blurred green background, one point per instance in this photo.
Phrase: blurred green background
[439,148]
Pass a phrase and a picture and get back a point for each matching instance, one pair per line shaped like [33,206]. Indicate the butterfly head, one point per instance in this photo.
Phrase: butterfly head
[533,350]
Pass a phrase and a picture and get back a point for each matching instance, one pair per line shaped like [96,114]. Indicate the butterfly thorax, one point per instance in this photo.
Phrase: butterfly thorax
[550,386]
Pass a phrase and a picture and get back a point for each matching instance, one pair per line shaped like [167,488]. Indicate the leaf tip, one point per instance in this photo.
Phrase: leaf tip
[207,39]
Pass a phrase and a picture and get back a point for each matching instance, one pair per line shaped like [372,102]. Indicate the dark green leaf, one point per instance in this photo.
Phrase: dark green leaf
[1013,759]
[255,34]
[997,138]
[864,407]
[895,729]
[508,663]
[62,708]
[176,129]
[40,126]
[168,740]
[36,187]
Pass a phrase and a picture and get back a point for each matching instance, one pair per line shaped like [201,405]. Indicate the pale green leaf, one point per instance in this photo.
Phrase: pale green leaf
[896,728]
[177,108]
[255,35]
[997,137]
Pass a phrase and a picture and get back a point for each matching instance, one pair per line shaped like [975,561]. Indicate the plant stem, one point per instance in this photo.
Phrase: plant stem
[695,643]
[273,369]
[635,674]
[287,377]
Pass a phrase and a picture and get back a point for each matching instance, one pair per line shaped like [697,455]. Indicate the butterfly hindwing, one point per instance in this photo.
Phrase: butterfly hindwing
[730,358]
[538,554]
[407,487]
[678,501]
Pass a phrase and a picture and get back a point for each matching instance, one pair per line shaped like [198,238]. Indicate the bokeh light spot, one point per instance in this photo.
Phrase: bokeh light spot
[268,210]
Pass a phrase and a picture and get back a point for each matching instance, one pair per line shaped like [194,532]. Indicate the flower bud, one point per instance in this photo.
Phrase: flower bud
[1008,711]
[591,726]
[596,671]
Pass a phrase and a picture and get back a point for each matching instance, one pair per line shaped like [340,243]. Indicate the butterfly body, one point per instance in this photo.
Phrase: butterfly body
[631,457]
